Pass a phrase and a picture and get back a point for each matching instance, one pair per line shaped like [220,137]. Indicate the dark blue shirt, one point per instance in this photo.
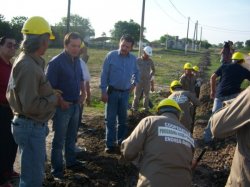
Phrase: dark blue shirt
[119,71]
[231,77]
[65,74]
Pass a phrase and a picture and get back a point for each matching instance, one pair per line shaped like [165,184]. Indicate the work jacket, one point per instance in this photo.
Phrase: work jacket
[235,119]
[166,149]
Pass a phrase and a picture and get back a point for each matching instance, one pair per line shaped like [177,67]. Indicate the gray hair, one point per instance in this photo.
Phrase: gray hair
[32,42]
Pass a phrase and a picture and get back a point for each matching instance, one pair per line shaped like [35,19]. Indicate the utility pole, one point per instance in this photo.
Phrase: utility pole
[193,37]
[200,39]
[142,28]
[196,35]
[68,16]
[186,44]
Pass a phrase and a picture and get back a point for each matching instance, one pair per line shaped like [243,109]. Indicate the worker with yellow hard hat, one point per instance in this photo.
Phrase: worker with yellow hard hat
[187,79]
[32,100]
[231,76]
[166,147]
[198,80]
[185,100]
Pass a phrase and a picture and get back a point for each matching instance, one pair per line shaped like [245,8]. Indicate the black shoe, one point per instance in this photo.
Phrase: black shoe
[112,150]
[109,150]
[77,164]
[58,178]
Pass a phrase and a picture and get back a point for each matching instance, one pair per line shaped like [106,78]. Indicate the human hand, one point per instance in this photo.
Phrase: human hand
[104,97]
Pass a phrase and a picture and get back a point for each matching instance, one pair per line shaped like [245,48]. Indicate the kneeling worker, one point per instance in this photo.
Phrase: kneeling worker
[166,148]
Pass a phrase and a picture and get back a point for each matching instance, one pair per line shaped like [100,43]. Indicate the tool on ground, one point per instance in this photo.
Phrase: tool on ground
[196,161]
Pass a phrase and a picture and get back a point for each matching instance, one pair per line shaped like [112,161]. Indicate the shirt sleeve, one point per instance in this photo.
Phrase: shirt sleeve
[51,73]
[30,84]
[228,120]
[133,145]
[104,74]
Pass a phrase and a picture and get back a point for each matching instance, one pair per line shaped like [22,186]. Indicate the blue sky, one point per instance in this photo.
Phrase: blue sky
[221,20]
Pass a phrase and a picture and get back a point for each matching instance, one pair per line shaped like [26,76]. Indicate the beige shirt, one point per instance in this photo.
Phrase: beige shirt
[188,82]
[167,151]
[235,118]
[29,93]
[185,99]
[146,68]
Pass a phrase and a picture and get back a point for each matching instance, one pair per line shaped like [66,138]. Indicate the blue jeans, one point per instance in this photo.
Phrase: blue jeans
[65,124]
[116,117]
[30,137]
[218,104]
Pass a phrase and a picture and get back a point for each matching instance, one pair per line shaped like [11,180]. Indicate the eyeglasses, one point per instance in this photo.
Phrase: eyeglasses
[11,45]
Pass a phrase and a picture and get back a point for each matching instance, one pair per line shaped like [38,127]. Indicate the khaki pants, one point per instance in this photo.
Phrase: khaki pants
[142,88]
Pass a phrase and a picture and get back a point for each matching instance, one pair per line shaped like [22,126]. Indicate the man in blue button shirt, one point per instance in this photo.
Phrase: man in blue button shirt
[65,74]
[119,75]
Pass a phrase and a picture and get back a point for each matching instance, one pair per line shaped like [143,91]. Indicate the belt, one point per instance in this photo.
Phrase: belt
[73,102]
[119,90]
[23,117]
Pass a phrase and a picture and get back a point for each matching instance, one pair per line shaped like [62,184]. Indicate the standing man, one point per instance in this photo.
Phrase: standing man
[166,148]
[118,77]
[231,76]
[32,100]
[8,146]
[86,78]
[147,70]
[64,73]
[234,119]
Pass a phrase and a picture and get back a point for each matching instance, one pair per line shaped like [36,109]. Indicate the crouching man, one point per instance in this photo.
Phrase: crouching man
[234,118]
[165,146]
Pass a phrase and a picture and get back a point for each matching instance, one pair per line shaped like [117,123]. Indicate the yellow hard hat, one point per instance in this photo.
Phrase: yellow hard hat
[187,66]
[168,103]
[173,84]
[196,68]
[238,56]
[37,25]
[82,45]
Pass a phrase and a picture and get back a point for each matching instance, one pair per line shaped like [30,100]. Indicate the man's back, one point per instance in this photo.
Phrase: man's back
[231,77]
[167,151]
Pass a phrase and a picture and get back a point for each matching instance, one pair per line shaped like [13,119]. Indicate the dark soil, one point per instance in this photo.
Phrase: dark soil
[106,170]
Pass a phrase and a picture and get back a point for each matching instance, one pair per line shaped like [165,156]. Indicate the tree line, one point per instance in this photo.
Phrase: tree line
[84,27]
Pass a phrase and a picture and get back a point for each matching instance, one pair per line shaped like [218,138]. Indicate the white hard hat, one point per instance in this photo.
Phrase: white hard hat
[148,50]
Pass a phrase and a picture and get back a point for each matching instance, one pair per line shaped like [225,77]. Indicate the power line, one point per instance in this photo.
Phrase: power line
[208,27]
[177,10]
[165,12]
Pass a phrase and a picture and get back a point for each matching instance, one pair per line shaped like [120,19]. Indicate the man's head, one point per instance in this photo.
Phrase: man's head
[188,68]
[148,51]
[72,43]
[8,47]
[238,57]
[37,33]
[169,106]
[126,44]
[175,85]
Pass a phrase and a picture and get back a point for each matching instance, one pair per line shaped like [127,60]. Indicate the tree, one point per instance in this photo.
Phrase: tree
[77,24]
[124,27]
[16,26]
[5,28]
[247,44]
[238,44]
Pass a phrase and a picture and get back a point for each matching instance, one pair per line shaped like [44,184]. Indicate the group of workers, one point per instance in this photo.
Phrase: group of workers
[30,96]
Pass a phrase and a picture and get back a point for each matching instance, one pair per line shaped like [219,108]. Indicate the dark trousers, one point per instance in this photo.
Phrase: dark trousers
[8,146]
